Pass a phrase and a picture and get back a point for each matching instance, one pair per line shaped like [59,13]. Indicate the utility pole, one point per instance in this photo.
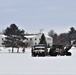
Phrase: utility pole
[41,31]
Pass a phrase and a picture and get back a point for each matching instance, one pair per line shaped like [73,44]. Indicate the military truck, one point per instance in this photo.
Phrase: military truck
[39,50]
[60,50]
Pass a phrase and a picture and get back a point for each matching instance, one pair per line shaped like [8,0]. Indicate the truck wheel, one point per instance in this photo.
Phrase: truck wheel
[43,54]
[68,54]
[50,53]
[34,55]
[53,54]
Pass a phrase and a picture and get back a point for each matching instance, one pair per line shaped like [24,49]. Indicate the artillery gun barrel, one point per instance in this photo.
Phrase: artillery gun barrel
[68,48]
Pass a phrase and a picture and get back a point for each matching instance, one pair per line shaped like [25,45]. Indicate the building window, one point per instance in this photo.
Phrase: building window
[2,38]
[35,38]
[30,38]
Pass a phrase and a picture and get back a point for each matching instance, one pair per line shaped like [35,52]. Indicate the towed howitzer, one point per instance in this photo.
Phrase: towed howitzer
[60,50]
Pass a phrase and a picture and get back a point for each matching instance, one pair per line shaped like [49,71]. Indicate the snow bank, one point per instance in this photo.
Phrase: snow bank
[23,63]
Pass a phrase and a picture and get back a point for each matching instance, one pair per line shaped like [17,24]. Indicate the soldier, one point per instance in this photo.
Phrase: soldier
[23,49]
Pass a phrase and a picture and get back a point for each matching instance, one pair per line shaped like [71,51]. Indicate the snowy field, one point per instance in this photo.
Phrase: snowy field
[24,64]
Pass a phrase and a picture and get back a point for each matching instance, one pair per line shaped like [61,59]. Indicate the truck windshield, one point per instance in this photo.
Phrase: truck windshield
[39,48]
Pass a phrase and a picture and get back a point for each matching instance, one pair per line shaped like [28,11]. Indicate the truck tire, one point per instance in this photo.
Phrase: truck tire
[53,54]
[68,54]
[34,55]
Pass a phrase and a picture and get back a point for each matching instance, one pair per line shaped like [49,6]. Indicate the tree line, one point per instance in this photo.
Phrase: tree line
[63,38]
[14,37]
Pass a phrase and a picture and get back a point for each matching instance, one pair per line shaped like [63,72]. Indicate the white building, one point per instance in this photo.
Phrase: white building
[34,39]
[2,37]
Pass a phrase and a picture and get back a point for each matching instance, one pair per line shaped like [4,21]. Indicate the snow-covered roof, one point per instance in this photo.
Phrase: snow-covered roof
[31,36]
[1,35]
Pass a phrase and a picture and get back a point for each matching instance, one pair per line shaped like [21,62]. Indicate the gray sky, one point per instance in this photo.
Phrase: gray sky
[33,15]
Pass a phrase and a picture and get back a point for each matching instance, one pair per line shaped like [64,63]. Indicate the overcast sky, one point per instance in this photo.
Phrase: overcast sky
[33,15]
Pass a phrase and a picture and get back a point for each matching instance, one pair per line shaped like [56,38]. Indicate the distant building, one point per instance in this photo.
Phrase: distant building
[2,37]
[34,39]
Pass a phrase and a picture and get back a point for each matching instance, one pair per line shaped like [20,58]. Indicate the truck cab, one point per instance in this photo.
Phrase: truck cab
[39,50]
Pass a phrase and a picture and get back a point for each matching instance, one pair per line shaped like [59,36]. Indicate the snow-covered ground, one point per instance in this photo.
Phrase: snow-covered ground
[23,63]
